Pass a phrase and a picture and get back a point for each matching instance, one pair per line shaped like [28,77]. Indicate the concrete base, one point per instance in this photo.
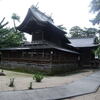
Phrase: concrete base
[33,67]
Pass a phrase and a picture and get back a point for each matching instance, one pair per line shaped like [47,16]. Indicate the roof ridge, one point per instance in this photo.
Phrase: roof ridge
[81,37]
[35,8]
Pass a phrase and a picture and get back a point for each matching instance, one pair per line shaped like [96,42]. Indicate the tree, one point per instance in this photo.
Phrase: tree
[88,32]
[96,40]
[76,31]
[15,17]
[14,39]
[95,8]
[97,52]
[61,27]
[3,32]
[10,38]
[1,26]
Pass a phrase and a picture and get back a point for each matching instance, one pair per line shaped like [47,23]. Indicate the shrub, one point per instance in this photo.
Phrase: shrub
[2,73]
[38,77]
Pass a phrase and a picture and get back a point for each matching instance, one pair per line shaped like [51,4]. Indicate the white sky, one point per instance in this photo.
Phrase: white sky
[67,12]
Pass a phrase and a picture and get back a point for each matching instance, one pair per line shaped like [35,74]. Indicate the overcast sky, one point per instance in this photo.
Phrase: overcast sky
[67,12]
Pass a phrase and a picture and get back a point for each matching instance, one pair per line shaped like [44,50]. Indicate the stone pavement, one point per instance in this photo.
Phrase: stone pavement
[84,86]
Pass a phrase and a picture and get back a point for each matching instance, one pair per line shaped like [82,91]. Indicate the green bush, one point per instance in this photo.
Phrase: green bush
[38,77]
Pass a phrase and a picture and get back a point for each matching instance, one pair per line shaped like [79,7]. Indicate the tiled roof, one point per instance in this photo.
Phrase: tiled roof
[36,20]
[41,47]
[83,42]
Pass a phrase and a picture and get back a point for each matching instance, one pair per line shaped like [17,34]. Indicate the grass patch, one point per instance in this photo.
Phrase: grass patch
[67,73]
[72,72]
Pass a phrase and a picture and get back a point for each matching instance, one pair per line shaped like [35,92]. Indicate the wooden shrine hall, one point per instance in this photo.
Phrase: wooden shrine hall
[50,50]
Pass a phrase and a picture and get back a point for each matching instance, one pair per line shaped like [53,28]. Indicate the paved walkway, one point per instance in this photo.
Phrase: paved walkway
[84,86]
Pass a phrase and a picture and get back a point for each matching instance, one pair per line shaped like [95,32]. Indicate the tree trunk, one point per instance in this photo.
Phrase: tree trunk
[14,25]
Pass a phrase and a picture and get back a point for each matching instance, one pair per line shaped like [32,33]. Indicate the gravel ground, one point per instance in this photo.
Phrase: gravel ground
[22,80]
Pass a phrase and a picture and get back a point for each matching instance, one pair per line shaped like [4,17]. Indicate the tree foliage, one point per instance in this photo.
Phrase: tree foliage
[88,32]
[76,31]
[9,37]
[1,23]
[15,17]
[97,52]
[95,8]
[95,5]
[61,27]
[96,40]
